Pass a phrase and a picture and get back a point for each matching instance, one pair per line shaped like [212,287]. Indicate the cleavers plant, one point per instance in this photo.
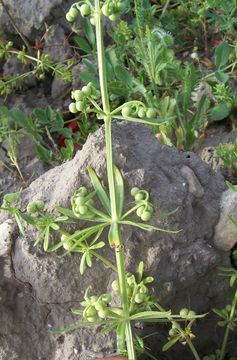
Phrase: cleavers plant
[136,302]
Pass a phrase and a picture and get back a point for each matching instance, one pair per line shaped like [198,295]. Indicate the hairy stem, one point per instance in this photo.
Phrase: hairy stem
[116,233]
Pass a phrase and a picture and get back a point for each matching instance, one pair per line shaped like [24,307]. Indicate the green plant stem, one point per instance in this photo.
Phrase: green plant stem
[227,330]
[189,342]
[117,240]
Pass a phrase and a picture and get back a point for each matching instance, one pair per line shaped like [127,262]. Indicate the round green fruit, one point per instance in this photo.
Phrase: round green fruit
[83,209]
[126,111]
[140,210]
[79,105]
[106,10]
[141,113]
[73,12]
[139,196]
[85,10]
[78,95]
[146,216]
[67,245]
[139,298]
[103,313]
[150,113]
[69,18]
[184,312]
[134,191]
[86,90]
[73,108]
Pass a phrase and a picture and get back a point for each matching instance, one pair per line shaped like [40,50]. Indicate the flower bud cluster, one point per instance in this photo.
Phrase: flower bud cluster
[142,112]
[81,103]
[145,210]
[96,307]
[81,201]
[112,9]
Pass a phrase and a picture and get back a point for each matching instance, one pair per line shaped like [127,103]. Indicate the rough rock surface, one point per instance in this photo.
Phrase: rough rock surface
[225,232]
[184,265]
[28,15]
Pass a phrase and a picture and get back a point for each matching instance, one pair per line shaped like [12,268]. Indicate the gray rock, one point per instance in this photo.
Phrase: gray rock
[56,45]
[7,229]
[184,265]
[28,15]
[225,232]
[13,66]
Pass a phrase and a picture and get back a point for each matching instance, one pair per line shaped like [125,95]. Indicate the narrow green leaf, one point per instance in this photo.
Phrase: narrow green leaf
[140,121]
[20,226]
[119,190]
[90,66]
[123,75]
[222,53]
[170,343]
[83,264]
[231,186]
[107,329]
[46,238]
[140,271]
[151,315]
[82,44]
[148,227]
[120,335]
[104,199]
[89,32]
[82,324]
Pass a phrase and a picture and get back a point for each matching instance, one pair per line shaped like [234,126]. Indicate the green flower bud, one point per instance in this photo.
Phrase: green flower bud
[90,311]
[11,198]
[91,318]
[93,299]
[106,10]
[35,206]
[172,333]
[83,190]
[114,17]
[191,313]
[68,244]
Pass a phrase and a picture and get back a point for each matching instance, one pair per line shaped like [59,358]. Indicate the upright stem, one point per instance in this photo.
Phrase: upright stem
[111,182]
[227,331]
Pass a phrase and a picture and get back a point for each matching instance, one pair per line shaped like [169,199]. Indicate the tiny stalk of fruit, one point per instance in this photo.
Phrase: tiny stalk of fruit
[136,303]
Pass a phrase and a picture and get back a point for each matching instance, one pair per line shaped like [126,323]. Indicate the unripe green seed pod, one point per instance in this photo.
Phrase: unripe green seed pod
[78,95]
[139,298]
[106,298]
[130,280]
[85,10]
[191,313]
[129,291]
[69,17]
[183,312]
[146,216]
[126,111]
[73,108]
[36,206]
[150,113]
[80,105]
[172,332]
[103,313]
[139,196]
[134,191]
[80,200]
[115,285]
[73,12]
[140,211]
[11,198]
[86,90]
[141,113]
[83,209]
